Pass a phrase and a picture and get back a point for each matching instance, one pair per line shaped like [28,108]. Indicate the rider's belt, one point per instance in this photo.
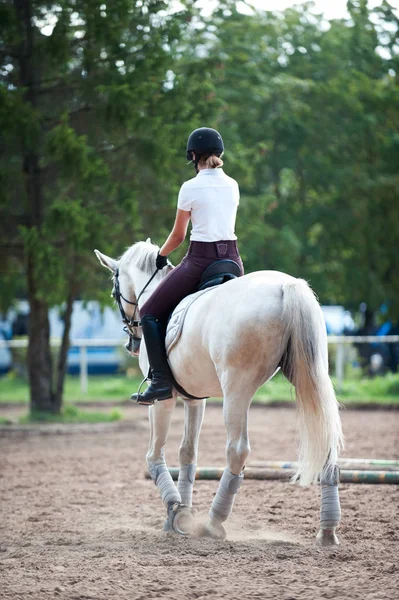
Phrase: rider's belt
[221,249]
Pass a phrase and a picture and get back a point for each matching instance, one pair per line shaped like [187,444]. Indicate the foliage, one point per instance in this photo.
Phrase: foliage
[95,106]
[311,114]
[100,124]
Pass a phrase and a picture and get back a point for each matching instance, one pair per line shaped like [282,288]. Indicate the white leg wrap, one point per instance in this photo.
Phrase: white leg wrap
[185,483]
[330,511]
[164,482]
[223,502]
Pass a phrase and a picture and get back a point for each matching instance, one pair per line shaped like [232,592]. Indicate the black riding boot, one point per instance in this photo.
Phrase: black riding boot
[161,379]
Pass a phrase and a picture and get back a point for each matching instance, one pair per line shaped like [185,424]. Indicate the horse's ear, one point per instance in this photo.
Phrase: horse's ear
[148,240]
[106,261]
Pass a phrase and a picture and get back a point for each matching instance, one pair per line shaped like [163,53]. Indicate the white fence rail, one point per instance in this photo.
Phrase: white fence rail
[339,340]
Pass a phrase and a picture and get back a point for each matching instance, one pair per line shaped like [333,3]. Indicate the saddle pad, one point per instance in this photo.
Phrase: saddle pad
[176,322]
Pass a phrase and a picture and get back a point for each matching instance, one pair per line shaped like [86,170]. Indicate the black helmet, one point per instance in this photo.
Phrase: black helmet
[204,141]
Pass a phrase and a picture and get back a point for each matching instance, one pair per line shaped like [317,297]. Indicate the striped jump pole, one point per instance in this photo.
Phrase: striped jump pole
[363,464]
[346,475]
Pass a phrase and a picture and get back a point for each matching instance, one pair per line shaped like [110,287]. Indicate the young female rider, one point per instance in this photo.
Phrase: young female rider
[210,200]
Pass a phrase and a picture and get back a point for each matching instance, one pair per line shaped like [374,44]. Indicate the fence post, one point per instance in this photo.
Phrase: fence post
[83,370]
[340,365]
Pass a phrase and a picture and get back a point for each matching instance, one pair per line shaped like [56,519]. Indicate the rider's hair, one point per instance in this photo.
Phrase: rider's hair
[210,162]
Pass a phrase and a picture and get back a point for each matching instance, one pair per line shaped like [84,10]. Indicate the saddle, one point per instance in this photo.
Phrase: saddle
[219,272]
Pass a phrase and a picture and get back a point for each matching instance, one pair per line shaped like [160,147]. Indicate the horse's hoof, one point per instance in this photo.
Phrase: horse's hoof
[166,526]
[213,530]
[327,537]
[180,520]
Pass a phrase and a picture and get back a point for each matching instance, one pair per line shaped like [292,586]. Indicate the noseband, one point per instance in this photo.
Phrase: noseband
[130,323]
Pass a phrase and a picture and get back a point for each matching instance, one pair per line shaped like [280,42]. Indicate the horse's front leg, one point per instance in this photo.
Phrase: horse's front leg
[160,416]
[330,511]
[235,412]
[193,417]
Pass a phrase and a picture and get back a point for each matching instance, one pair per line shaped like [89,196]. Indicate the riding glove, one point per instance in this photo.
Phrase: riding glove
[161,261]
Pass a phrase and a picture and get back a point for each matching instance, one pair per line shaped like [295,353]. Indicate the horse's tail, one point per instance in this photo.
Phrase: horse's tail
[306,365]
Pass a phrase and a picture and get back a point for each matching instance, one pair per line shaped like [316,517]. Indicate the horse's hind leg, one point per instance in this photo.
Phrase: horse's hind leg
[160,415]
[193,417]
[235,412]
[330,511]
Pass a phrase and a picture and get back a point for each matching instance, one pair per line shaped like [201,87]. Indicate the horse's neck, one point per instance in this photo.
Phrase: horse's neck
[140,281]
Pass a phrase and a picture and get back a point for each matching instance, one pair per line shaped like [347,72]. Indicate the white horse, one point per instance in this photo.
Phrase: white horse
[234,339]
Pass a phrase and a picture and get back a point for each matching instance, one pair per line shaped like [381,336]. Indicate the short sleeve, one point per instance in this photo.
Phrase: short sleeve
[237,194]
[184,199]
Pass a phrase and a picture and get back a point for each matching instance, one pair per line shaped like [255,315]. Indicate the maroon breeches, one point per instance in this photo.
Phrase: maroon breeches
[185,278]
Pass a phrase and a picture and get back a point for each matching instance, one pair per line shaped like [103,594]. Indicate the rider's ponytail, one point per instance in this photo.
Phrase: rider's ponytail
[210,162]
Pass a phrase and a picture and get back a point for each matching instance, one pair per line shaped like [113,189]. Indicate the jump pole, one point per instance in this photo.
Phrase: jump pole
[363,464]
[261,474]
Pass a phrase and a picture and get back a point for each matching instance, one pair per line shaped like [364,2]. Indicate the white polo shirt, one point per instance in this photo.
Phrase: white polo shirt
[212,197]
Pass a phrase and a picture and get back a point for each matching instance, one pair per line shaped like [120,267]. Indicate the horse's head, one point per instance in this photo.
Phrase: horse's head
[131,274]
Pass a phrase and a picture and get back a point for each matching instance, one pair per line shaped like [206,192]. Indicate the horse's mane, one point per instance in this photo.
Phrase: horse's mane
[142,255]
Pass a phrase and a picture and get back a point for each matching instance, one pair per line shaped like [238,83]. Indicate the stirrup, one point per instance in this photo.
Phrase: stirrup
[136,397]
[141,401]
[139,397]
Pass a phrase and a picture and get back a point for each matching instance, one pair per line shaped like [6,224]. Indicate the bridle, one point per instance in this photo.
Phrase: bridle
[130,322]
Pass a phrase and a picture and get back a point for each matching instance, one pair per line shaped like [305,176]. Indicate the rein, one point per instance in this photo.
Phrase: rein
[130,323]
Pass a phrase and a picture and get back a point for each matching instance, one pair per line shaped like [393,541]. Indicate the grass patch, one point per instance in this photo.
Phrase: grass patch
[72,414]
[387,386]
[379,390]
[118,388]
[105,388]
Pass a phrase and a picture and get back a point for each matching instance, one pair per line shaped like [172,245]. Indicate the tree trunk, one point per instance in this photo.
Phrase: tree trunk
[62,356]
[39,354]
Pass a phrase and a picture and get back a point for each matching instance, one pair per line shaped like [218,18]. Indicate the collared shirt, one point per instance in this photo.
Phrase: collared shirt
[212,197]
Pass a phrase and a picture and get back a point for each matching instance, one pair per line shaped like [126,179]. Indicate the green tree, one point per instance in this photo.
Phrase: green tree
[92,115]
[311,116]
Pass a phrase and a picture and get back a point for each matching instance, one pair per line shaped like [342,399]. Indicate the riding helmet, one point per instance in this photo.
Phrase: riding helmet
[204,141]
